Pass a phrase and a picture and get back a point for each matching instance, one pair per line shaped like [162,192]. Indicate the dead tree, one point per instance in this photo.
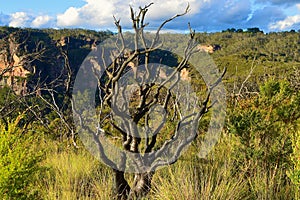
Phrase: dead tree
[126,113]
[60,106]
[19,52]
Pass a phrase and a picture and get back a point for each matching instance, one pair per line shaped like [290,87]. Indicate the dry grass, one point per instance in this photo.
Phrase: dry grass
[75,175]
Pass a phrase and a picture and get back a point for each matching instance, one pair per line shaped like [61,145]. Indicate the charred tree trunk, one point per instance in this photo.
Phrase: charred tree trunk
[122,188]
[141,186]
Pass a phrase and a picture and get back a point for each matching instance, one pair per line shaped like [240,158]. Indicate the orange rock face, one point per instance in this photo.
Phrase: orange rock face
[15,76]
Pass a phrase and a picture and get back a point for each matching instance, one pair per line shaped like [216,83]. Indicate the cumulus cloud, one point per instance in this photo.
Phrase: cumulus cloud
[287,23]
[204,15]
[40,21]
[165,9]
[69,18]
[23,19]
[93,13]
[215,14]
[100,12]
[19,19]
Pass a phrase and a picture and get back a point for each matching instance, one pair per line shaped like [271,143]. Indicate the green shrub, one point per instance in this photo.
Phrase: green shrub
[294,174]
[19,160]
[265,125]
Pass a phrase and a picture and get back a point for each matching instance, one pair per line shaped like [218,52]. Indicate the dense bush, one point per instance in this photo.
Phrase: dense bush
[294,173]
[266,125]
[19,161]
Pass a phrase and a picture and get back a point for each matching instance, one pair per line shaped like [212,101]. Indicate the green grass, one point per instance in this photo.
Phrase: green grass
[75,174]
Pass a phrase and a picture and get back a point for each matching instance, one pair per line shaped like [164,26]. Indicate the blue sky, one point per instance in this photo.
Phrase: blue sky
[205,15]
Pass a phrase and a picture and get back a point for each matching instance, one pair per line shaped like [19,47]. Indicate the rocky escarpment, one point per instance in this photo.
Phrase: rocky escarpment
[30,58]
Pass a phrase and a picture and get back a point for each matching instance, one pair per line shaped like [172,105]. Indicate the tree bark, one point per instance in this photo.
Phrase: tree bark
[122,188]
[141,186]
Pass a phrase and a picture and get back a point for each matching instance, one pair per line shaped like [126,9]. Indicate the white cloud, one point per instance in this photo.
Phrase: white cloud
[23,19]
[99,13]
[93,13]
[168,8]
[204,15]
[218,14]
[40,21]
[19,19]
[287,23]
[69,18]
